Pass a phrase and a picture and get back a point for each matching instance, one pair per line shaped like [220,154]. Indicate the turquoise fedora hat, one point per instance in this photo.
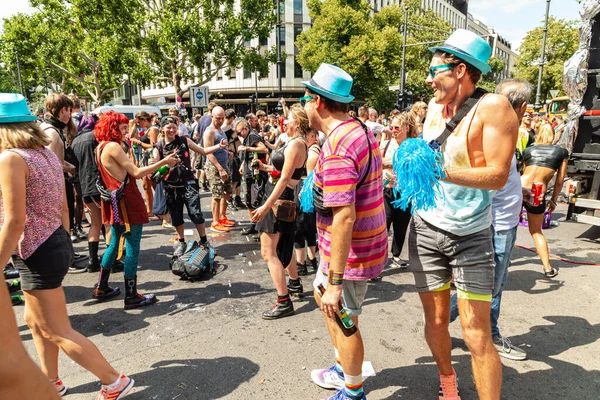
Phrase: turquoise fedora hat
[331,82]
[469,47]
[13,109]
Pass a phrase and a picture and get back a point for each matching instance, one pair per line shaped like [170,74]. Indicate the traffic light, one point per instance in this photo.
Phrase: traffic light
[29,94]
[400,101]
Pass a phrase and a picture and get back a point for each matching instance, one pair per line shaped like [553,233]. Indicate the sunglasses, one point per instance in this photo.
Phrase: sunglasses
[434,71]
[305,99]
[395,128]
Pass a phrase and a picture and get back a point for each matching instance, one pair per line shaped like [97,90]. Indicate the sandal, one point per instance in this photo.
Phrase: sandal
[550,273]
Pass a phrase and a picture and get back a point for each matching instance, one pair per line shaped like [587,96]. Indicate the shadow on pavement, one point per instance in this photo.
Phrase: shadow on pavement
[532,282]
[187,379]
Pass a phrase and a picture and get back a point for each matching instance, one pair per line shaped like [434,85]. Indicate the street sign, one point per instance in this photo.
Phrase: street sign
[199,96]
[179,99]
[554,93]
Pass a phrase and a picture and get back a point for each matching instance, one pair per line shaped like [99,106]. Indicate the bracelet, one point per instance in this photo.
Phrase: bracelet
[553,202]
[335,278]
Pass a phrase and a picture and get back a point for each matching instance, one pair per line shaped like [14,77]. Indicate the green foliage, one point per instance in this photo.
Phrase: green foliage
[562,41]
[369,47]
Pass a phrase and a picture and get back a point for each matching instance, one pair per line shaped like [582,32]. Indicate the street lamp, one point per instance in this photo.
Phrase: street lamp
[538,94]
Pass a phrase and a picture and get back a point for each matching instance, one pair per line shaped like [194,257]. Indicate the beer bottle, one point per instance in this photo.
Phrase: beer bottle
[13,285]
[160,174]
[255,165]
[343,320]
[16,299]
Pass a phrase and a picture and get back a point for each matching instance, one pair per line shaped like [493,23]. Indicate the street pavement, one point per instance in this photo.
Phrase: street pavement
[207,340]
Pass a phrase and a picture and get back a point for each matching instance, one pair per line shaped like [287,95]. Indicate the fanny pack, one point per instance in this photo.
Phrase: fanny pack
[318,192]
[285,210]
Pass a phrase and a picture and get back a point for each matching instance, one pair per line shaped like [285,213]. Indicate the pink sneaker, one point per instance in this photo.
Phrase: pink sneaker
[116,393]
[449,387]
[60,388]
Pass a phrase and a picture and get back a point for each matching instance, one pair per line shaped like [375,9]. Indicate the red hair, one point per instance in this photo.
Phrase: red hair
[107,129]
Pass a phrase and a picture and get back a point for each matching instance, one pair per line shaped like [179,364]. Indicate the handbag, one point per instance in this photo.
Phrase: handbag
[285,210]
[318,192]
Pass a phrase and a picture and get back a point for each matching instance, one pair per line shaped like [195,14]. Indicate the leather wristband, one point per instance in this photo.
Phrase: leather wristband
[335,278]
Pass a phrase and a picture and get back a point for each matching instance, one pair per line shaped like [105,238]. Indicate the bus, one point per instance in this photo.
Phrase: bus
[558,106]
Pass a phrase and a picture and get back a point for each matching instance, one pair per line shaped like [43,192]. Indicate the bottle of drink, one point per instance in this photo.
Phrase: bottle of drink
[16,299]
[13,285]
[255,165]
[343,320]
[160,174]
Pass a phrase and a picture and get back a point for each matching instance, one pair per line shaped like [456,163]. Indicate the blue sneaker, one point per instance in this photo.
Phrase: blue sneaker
[343,395]
[328,378]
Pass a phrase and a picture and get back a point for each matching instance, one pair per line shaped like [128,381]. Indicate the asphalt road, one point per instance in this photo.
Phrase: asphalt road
[206,340]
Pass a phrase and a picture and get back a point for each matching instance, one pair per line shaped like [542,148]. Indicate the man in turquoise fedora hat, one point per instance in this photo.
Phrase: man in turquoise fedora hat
[453,241]
[350,222]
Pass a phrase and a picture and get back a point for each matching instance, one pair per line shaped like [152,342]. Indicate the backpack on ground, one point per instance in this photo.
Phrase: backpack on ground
[196,263]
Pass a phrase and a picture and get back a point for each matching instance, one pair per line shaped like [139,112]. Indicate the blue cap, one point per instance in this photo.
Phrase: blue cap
[13,109]
[331,82]
[469,47]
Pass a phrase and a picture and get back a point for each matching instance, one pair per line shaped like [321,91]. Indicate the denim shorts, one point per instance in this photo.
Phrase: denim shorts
[188,195]
[47,266]
[353,293]
[436,255]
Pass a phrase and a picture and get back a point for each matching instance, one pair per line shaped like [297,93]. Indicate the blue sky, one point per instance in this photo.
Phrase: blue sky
[511,18]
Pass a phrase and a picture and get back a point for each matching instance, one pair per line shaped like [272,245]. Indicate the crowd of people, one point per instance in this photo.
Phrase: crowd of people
[75,167]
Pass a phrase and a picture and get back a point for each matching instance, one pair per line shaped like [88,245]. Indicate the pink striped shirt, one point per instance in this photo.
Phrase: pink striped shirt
[342,164]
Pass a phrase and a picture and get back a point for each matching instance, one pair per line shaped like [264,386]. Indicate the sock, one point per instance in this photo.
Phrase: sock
[115,384]
[453,373]
[281,299]
[354,386]
[338,363]
[182,240]
[203,239]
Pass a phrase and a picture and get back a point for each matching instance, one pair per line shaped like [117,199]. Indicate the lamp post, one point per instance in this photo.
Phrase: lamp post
[278,40]
[403,71]
[538,94]
[19,72]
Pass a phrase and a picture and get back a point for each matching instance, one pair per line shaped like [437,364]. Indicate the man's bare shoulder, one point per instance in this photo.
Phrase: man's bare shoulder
[494,102]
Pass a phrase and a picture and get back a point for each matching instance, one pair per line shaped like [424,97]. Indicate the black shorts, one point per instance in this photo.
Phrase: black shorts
[92,199]
[234,167]
[189,195]
[536,210]
[269,223]
[47,266]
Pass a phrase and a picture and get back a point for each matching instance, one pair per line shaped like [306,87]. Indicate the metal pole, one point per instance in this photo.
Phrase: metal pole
[278,39]
[403,77]
[538,94]
[256,89]
[19,72]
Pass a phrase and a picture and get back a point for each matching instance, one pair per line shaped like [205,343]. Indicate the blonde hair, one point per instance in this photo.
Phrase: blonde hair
[407,118]
[545,134]
[22,135]
[301,119]
[417,106]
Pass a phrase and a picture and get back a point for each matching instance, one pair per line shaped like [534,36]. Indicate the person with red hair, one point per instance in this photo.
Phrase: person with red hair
[126,211]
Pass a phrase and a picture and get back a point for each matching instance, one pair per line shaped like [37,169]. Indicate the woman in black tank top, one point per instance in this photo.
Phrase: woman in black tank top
[542,161]
[288,165]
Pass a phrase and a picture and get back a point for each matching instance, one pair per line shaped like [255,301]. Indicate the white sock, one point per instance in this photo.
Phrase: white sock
[115,384]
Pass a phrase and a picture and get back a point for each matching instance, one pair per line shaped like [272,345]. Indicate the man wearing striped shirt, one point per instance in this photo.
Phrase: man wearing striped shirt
[353,239]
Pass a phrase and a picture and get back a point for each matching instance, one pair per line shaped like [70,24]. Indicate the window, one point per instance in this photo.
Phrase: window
[282,35]
[297,70]
[282,9]
[247,74]
[262,40]
[297,31]
[282,69]
[297,7]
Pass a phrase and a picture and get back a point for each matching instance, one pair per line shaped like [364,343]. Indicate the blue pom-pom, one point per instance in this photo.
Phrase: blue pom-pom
[418,169]
[306,194]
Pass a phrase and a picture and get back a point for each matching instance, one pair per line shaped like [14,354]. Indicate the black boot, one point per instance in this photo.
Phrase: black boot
[133,299]
[282,308]
[302,270]
[250,231]
[103,291]
[10,272]
[315,265]
[295,287]
[239,202]
[94,261]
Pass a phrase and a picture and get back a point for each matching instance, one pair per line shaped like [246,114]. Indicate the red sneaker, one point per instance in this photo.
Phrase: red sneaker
[227,223]
[116,393]
[217,227]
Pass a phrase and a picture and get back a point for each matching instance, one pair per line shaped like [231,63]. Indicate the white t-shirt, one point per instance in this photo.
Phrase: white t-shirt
[183,130]
[508,202]
[375,128]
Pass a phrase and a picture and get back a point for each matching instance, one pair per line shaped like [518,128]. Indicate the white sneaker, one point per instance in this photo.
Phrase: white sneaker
[508,350]
[398,262]
[328,378]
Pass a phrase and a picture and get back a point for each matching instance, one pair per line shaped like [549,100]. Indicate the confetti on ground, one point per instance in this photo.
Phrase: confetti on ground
[188,232]
[261,381]
[250,263]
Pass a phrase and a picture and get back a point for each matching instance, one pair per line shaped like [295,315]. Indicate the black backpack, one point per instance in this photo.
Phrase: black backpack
[197,263]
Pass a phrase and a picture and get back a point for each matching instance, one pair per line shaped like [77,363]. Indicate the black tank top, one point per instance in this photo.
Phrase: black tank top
[545,155]
[278,159]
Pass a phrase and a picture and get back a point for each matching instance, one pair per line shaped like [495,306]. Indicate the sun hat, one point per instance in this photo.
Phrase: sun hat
[13,108]
[168,119]
[469,47]
[331,82]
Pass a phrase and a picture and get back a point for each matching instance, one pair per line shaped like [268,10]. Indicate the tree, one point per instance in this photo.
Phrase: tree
[369,47]
[194,40]
[86,46]
[562,41]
